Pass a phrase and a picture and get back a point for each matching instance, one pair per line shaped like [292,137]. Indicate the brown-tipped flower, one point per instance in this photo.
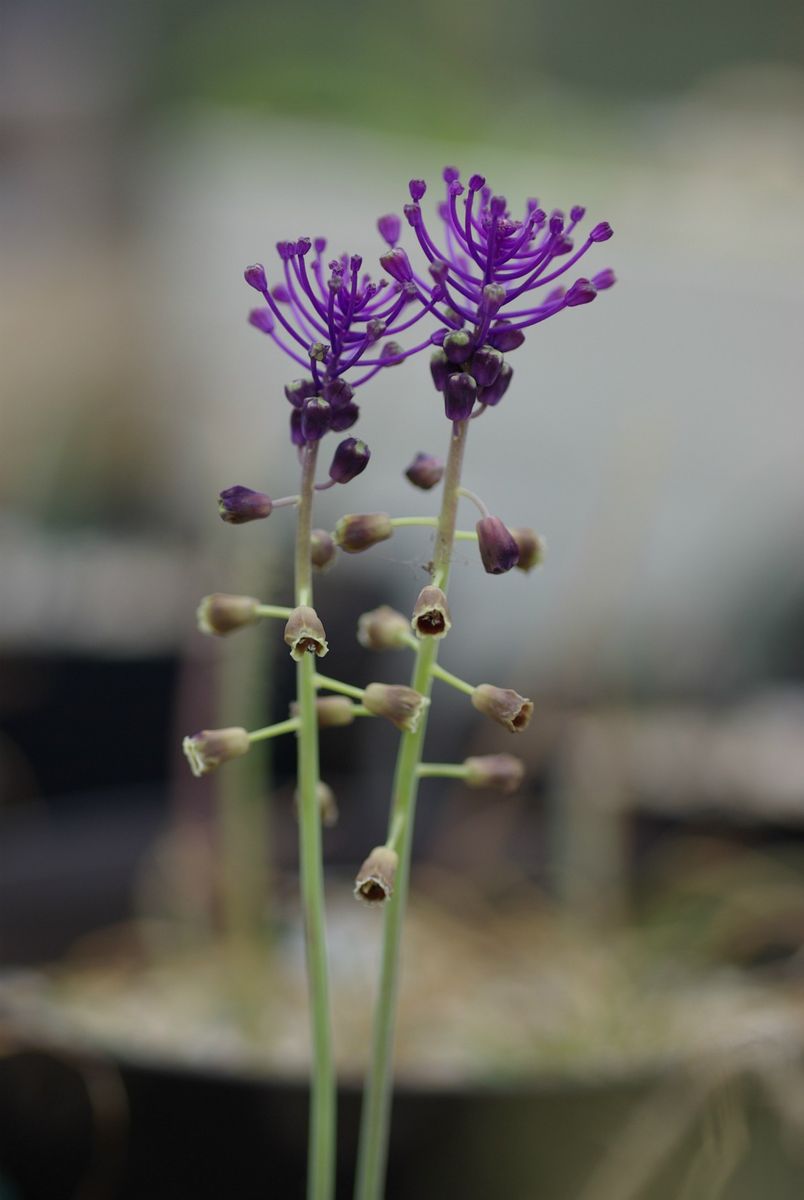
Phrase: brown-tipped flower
[375,879]
[498,550]
[327,804]
[503,705]
[330,711]
[500,772]
[304,633]
[220,613]
[208,749]
[382,629]
[359,531]
[322,549]
[401,705]
[425,471]
[430,613]
[532,548]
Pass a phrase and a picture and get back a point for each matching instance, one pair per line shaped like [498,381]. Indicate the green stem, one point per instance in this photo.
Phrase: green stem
[272,731]
[321,1137]
[274,610]
[453,680]
[335,685]
[442,771]
[375,1117]
[400,522]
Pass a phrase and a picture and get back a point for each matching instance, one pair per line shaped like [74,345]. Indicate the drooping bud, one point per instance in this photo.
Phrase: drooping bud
[344,418]
[389,227]
[457,346]
[604,279]
[359,531]
[220,613]
[417,189]
[430,613]
[375,880]
[338,393]
[498,549]
[503,705]
[460,394]
[330,711]
[382,629]
[581,292]
[316,419]
[500,772]
[262,319]
[208,749]
[350,458]
[486,365]
[304,633]
[255,277]
[400,705]
[397,264]
[300,390]
[425,471]
[494,394]
[326,802]
[390,351]
[439,369]
[239,504]
[322,549]
[601,232]
[532,548]
[505,337]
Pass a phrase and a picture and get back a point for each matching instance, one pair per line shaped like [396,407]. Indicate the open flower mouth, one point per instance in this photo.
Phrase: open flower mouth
[431,624]
[372,892]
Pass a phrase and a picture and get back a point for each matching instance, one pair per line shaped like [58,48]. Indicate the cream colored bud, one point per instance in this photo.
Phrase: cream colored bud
[430,614]
[382,629]
[400,705]
[304,633]
[327,804]
[322,549]
[220,613]
[500,772]
[375,879]
[208,749]
[330,711]
[532,548]
[359,531]
[503,705]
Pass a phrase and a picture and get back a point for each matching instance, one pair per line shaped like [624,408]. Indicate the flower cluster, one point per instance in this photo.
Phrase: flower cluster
[484,272]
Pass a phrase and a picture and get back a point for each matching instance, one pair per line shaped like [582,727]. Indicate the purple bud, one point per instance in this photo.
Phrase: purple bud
[261,318]
[476,182]
[494,394]
[486,365]
[320,245]
[350,458]
[397,264]
[505,337]
[439,270]
[439,369]
[239,504]
[296,435]
[286,250]
[604,279]
[389,227]
[497,546]
[356,262]
[413,214]
[538,217]
[255,277]
[493,296]
[391,351]
[375,329]
[417,189]
[581,292]
[459,396]
[425,471]
[457,346]
[497,206]
[299,390]
[281,294]
[316,419]
[456,188]
[338,393]
[562,246]
[450,173]
[303,246]
[344,418]
[601,232]
[577,213]
[556,222]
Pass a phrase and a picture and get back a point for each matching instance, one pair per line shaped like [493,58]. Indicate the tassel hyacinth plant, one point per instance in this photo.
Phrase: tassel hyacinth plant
[469,292]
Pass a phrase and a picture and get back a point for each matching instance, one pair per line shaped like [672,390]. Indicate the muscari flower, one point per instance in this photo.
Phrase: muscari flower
[486,266]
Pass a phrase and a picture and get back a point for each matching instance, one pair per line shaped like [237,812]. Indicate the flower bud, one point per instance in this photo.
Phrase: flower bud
[457,346]
[417,189]
[459,396]
[300,390]
[375,879]
[350,458]
[604,279]
[400,705]
[504,337]
[330,711]
[390,351]
[532,548]
[492,297]
[430,613]
[493,395]
[316,419]
[425,471]
[439,369]
[498,549]
[359,531]
[382,629]
[221,613]
[262,319]
[208,749]
[486,365]
[239,504]
[581,292]
[322,549]
[304,633]
[318,351]
[255,277]
[397,264]
[500,772]
[327,804]
[389,227]
[601,232]
[503,705]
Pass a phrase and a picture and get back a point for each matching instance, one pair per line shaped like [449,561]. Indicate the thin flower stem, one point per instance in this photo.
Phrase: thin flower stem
[274,610]
[360,711]
[399,522]
[442,771]
[272,731]
[453,680]
[321,1136]
[473,496]
[375,1117]
[465,535]
[335,685]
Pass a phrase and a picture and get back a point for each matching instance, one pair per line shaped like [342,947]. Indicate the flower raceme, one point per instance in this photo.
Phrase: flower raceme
[485,268]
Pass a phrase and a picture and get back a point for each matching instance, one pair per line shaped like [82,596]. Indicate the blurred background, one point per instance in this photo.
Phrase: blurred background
[641,901]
